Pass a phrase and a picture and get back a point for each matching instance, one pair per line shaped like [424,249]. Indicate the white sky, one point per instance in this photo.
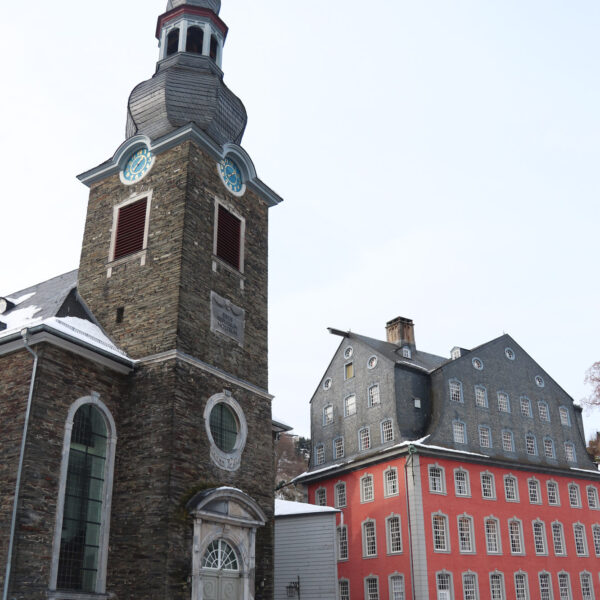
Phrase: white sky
[438,160]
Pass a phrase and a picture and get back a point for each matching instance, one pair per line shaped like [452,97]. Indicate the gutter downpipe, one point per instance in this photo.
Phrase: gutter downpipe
[25,335]
[411,452]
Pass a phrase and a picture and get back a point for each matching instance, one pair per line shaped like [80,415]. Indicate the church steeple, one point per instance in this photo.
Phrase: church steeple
[188,84]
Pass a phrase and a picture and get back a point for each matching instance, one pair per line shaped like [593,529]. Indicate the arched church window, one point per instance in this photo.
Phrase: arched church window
[173,42]
[214,47]
[80,542]
[195,40]
[220,556]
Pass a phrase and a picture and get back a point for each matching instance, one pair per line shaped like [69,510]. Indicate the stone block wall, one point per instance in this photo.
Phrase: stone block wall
[62,378]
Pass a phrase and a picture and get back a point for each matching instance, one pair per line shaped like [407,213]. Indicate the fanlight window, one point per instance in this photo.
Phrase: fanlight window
[220,556]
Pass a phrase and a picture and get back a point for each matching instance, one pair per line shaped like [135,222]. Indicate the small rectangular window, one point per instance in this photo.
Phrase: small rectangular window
[374,399]
[394,535]
[342,532]
[229,238]
[131,229]
[503,402]
[369,539]
[349,371]
[344,590]
[350,406]
[461,483]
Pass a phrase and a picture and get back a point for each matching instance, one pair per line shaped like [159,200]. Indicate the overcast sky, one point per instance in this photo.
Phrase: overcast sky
[438,161]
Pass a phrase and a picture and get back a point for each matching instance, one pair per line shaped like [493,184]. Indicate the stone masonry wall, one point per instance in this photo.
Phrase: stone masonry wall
[199,278]
[148,293]
[62,378]
[16,372]
[163,460]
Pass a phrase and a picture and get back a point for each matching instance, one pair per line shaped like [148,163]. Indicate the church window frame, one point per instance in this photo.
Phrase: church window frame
[226,458]
[105,513]
[229,236]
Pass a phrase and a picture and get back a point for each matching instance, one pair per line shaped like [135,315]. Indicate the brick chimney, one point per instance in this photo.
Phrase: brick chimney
[401,331]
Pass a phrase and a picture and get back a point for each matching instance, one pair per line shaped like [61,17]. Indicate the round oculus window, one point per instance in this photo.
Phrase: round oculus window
[327,383]
[539,381]
[510,354]
[478,364]
[227,431]
[372,362]
[348,352]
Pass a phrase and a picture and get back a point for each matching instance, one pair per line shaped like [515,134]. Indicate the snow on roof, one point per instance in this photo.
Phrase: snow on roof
[285,508]
[40,305]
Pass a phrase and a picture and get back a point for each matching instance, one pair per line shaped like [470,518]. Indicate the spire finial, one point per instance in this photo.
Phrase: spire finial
[214,5]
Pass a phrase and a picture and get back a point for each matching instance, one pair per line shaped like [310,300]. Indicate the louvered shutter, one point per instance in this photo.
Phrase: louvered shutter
[229,237]
[131,226]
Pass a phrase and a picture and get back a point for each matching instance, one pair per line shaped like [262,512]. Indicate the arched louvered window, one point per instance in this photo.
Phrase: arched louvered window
[173,42]
[88,485]
[195,40]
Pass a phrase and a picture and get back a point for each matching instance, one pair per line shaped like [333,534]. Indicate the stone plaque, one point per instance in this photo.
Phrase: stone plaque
[227,318]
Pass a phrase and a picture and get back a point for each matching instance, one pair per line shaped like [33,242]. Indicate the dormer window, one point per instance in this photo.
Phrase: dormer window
[195,40]
[406,352]
[173,42]
[455,353]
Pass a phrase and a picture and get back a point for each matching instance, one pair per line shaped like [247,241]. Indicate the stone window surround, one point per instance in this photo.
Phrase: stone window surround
[321,497]
[521,552]
[388,533]
[467,483]
[573,454]
[472,574]
[498,536]
[471,533]
[455,388]
[525,402]
[374,578]
[319,454]
[141,254]
[581,528]
[557,526]
[361,445]
[463,427]
[510,476]
[564,576]
[447,575]
[399,576]
[337,455]
[504,402]
[383,430]
[363,481]
[442,518]
[344,583]
[549,446]
[546,576]
[342,543]
[511,437]
[328,417]
[340,485]
[500,576]
[544,411]
[386,493]
[533,485]
[53,593]
[553,483]
[492,485]
[489,438]
[543,538]
[590,580]
[226,461]
[565,416]
[442,479]
[575,487]
[485,396]
[365,540]
[525,580]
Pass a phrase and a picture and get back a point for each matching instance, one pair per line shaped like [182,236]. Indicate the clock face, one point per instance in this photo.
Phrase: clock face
[231,176]
[138,165]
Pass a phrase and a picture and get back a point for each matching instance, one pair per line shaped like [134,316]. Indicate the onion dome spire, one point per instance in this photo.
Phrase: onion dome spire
[188,84]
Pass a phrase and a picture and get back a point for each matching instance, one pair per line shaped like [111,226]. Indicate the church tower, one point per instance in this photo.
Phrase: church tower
[174,268]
